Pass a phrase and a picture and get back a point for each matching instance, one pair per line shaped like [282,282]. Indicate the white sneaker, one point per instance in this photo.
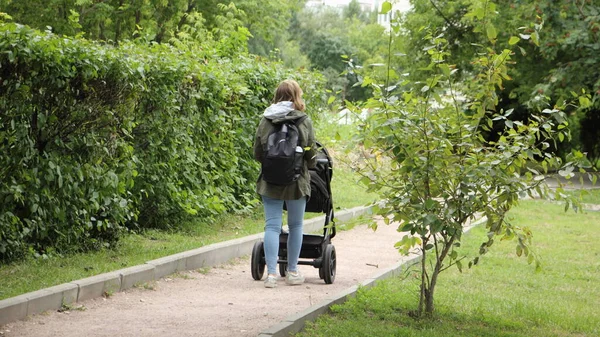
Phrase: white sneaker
[271,281]
[294,278]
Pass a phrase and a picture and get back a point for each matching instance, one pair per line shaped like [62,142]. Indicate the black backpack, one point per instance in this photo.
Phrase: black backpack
[283,160]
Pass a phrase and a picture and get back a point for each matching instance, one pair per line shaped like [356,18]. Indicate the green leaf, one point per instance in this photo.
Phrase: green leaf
[365,181]
[523,51]
[445,69]
[513,40]
[386,7]
[331,99]
[491,32]
[584,102]
[535,38]
[406,227]
[479,13]
[431,203]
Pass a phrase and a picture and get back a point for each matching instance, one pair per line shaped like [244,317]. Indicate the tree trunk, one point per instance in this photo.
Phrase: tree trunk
[138,19]
[426,302]
[422,296]
[101,34]
[119,23]
[429,307]
[428,285]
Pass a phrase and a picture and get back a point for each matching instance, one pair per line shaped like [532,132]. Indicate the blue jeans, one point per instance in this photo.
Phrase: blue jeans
[273,223]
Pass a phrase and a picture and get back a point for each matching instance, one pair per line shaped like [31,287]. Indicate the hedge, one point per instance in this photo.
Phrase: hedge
[97,139]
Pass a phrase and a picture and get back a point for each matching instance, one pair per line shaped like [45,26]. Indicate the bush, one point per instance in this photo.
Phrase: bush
[97,139]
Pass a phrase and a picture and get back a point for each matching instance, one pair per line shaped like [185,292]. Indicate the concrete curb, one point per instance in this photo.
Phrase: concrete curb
[295,323]
[54,298]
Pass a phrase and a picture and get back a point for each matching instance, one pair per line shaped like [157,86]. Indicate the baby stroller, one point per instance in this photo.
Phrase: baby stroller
[316,248]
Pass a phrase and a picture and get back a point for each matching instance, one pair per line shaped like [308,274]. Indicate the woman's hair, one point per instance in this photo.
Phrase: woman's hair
[289,90]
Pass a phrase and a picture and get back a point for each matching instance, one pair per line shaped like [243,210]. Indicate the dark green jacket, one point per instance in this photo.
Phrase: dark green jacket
[301,187]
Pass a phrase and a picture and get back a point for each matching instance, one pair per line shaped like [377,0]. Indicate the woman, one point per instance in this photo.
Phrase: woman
[287,106]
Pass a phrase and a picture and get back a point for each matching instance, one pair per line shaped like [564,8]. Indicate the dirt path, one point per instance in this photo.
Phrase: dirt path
[221,301]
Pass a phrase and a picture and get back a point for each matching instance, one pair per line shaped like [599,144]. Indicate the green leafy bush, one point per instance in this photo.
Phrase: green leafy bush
[66,162]
[96,139]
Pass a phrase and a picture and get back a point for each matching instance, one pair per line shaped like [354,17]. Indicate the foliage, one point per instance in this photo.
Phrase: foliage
[66,162]
[95,139]
[354,11]
[427,156]
[338,42]
[562,67]
[148,20]
[301,38]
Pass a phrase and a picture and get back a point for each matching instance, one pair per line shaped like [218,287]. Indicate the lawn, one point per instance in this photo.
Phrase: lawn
[502,296]
[591,196]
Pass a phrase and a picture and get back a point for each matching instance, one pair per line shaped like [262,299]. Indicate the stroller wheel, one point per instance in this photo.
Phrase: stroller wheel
[258,261]
[282,269]
[329,263]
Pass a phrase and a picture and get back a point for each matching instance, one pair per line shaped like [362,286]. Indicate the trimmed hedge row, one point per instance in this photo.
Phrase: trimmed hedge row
[95,139]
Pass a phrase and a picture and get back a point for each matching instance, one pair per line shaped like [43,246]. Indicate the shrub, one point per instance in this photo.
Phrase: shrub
[95,139]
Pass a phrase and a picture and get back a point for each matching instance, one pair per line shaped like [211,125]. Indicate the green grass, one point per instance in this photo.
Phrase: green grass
[502,296]
[133,249]
[591,196]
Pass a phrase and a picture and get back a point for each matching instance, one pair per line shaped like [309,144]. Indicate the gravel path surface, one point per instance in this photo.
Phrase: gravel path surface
[220,301]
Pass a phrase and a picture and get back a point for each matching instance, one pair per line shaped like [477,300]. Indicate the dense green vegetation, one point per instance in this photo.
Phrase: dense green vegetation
[555,62]
[318,38]
[96,139]
[156,21]
[121,116]
[502,296]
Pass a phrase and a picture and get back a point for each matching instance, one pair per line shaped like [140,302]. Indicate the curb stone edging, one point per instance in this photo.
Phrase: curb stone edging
[53,298]
[295,323]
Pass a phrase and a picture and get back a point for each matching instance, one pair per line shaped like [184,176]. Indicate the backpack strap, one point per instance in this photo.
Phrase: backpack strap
[300,120]
[297,122]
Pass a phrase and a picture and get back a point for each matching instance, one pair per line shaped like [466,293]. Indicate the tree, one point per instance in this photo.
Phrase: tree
[427,157]
[339,46]
[570,49]
[547,72]
[355,11]
[152,20]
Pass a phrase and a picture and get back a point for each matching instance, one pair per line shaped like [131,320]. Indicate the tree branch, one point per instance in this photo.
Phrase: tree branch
[437,9]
